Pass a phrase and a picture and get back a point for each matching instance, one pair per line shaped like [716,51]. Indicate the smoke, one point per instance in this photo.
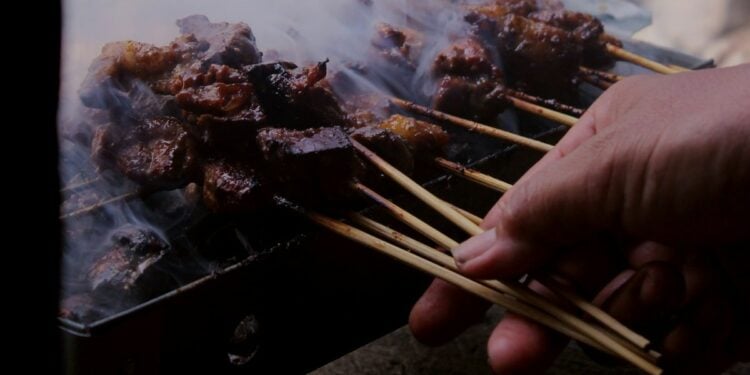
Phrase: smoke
[293,30]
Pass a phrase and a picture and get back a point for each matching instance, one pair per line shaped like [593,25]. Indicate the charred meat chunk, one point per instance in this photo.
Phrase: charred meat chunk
[129,267]
[156,153]
[388,145]
[398,46]
[222,106]
[424,139]
[232,187]
[480,100]
[469,83]
[466,57]
[587,31]
[230,44]
[296,98]
[540,58]
[310,165]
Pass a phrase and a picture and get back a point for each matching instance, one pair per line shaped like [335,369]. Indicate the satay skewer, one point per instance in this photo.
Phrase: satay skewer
[473,126]
[543,112]
[513,289]
[549,103]
[645,62]
[475,288]
[423,195]
[611,77]
[98,206]
[595,312]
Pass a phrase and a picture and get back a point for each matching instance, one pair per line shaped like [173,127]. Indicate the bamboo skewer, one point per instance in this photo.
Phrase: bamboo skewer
[513,289]
[473,126]
[470,227]
[597,81]
[452,277]
[474,218]
[474,176]
[80,185]
[553,104]
[640,60]
[611,77]
[98,205]
[678,68]
[418,191]
[543,112]
[485,292]
[550,283]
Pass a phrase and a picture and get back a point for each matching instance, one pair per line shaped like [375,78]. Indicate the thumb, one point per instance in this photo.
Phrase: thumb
[569,201]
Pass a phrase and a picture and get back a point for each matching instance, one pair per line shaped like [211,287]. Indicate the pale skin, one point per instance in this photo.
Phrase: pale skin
[643,207]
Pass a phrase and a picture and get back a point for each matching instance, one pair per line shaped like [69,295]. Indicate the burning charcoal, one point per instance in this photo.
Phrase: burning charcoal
[129,267]
[310,165]
[230,44]
[424,139]
[232,188]
[156,153]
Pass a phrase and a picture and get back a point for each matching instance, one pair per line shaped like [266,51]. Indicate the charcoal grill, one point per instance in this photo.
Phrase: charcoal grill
[304,299]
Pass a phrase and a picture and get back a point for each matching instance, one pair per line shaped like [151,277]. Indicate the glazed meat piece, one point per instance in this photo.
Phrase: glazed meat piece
[129,267]
[156,153]
[366,109]
[230,44]
[587,30]
[424,139]
[479,100]
[223,107]
[539,58]
[466,57]
[398,46]
[469,84]
[388,145]
[232,187]
[310,165]
[126,73]
[296,99]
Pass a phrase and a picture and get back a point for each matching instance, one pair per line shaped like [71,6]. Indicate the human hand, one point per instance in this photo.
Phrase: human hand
[642,207]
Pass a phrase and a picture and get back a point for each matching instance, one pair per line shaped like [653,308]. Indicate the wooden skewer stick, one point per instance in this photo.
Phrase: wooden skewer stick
[467,225]
[611,77]
[602,340]
[543,112]
[577,301]
[513,289]
[549,103]
[98,206]
[454,278]
[473,126]
[418,191]
[409,219]
[678,68]
[595,312]
[80,185]
[474,175]
[474,218]
[647,63]
[596,81]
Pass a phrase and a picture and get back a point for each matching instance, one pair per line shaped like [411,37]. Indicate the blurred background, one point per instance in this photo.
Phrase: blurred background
[711,29]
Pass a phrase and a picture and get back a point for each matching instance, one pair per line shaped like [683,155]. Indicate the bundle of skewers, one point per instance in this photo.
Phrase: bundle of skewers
[207,116]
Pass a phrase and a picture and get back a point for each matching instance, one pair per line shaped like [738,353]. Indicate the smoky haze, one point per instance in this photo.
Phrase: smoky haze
[299,31]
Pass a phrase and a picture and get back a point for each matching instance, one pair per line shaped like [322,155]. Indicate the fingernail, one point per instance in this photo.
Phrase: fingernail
[474,247]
